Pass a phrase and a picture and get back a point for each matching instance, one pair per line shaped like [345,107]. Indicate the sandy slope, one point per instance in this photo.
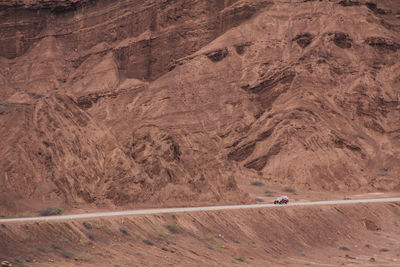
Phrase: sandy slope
[348,235]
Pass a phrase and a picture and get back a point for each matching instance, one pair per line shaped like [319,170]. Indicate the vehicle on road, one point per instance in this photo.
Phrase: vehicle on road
[281,200]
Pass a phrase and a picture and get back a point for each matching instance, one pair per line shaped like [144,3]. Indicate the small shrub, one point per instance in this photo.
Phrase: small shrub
[162,235]
[56,246]
[217,247]
[269,193]
[41,249]
[36,96]
[50,211]
[259,200]
[346,198]
[289,190]
[344,248]
[84,242]
[84,257]
[384,250]
[46,212]
[90,236]
[67,254]
[173,216]
[124,231]
[87,225]
[59,210]
[257,183]
[209,237]
[377,233]
[173,228]
[240,259]
[99,225]
[148,242]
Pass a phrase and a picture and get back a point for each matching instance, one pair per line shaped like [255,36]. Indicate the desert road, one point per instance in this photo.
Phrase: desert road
[192,209]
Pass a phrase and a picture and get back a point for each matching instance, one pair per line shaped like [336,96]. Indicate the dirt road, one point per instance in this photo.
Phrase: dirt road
[192,209]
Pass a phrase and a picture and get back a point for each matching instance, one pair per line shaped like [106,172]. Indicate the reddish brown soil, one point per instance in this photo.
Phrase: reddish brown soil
[348,235]
[107,104]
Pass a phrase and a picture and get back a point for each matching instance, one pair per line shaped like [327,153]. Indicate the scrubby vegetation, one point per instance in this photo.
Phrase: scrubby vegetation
[173,228]
[52,211]
[87,225]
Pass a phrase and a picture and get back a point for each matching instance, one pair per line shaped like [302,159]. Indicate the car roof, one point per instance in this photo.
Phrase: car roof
[282,197]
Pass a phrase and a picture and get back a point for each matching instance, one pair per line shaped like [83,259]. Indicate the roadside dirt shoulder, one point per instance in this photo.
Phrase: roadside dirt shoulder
[344,234]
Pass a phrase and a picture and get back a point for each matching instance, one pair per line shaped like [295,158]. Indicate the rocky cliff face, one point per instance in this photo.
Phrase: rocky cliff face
[159,102]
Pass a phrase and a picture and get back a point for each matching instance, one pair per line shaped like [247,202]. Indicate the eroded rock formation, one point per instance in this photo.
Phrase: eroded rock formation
[166,102]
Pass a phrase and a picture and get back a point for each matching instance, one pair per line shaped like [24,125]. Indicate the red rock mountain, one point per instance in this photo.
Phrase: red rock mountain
[172,102]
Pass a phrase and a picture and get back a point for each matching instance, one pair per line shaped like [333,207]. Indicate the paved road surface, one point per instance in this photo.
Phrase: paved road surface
[209,208]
